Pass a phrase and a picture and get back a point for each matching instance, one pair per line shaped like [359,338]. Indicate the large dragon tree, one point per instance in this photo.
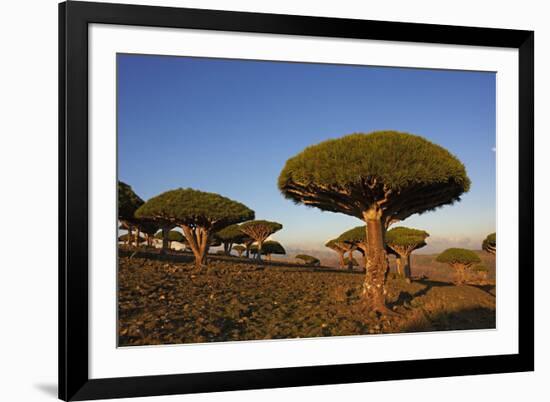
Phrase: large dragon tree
[259,231]
[229,236]
[380,178]
[490,243]
[404,241]
[128,203]
[199,214]
[460,259]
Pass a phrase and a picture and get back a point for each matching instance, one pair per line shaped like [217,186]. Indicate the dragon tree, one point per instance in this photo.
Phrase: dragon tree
[356,238]
[128,203]
[229,236]
[239,249]
[199,214]
[381,178]
[308,260]
[490,243]
[173,235]
[341,248]
[404,241]
[259,231]
[460,259]
[269,247]
[149,229]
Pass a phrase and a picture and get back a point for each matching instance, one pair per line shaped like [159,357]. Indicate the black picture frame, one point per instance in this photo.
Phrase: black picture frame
[74,381]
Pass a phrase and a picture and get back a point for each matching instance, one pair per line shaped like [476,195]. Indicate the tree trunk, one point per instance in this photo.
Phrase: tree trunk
[341,257]
[350,260]
[259,254]
[407,266]
[136,237]
[377,264]
[129,237]
[460,274]
[226,248]
[165,232]
[399,266]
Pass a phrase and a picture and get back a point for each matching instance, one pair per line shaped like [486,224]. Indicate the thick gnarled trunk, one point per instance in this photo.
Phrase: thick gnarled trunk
[460,273]
[399,267]
[406,262]
[198,238]
[376,263]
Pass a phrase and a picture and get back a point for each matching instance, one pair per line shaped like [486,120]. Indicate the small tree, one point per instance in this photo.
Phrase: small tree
[259,231]
[269,247]
[240,249]
[308,259]
[404,241]
[490,243]
[197,213]
[480,272]
[173,235]
[341,249]
[380,178]
[356,238]
[128,203]
[460,259]
[149,229]
[229,236]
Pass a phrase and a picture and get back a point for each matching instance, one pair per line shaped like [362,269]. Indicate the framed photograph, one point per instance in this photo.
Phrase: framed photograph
[257,201]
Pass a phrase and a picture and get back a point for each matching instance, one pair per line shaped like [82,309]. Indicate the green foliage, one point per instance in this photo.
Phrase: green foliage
[354,262]
[458,256]
[308,259]
[490,243]
[128,202]
[480,268]
[148,227]
[239,249]
[231,234]
[403,237]
[193,207]
[173,235]
[269,247]
[336,244]
[272,227]
[351,173]
[356,235]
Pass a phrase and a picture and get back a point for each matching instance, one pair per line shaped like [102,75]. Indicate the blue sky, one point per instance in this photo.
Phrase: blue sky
[228,126]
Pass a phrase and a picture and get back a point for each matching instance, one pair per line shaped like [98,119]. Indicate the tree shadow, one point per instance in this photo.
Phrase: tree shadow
[186,257]
[48,389]
[489,289]
[405,298]
[466,319]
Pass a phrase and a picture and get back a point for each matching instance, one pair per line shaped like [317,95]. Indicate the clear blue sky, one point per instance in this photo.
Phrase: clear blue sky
[228,126]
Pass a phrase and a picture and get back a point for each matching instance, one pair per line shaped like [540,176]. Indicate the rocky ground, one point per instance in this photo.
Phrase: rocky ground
[167,302]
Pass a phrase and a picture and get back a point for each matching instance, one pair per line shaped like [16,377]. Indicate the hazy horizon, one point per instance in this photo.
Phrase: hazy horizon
[228,126]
